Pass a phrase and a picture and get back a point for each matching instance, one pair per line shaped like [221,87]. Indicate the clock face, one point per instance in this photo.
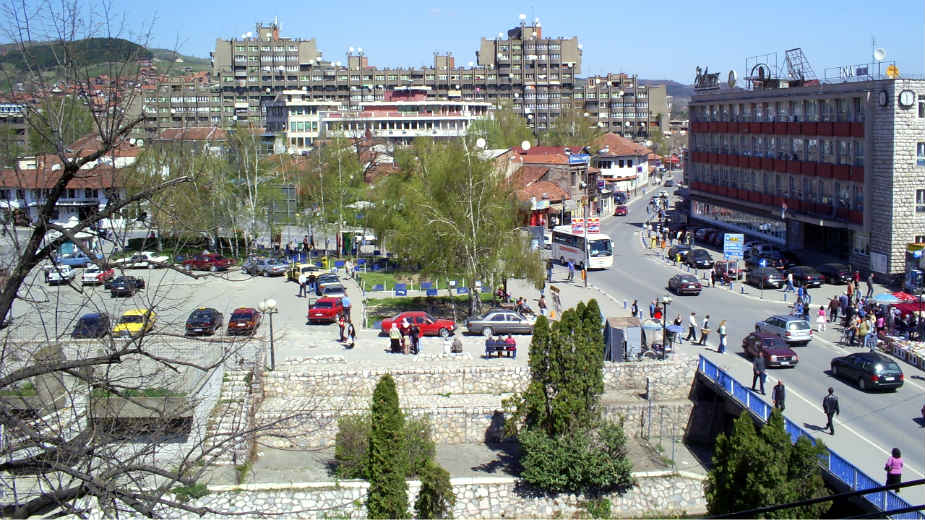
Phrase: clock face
[907,98]
[882,98]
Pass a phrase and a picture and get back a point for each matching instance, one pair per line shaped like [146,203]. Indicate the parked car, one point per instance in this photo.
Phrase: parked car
[134,322]
[684,284]
[834,273]
[770,258]
[334,290]
[727,270]
[869,370]
[681,249]
[59,274]
[208,262]
[765,277]
[429,325]
[76,259]
[204,321]
[263,266]
[325,310]
[93,325]
[292,274]
[761,248]
[806,276]
[501,321]
[791,329]
[324,280]
[774,350]
[669,183]
[620,211]
[244,320]
[142,260]
[125,286]
[93,275]
[699,259]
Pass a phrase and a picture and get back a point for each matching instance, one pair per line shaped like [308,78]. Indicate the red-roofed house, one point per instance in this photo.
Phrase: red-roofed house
[623,164]
[576,180]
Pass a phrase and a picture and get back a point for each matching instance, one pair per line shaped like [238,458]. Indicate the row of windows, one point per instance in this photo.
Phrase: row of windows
[71,193]
[831,109]
[266,48]
[849,151]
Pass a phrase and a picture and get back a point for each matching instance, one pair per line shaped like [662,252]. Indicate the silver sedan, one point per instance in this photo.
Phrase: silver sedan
[501,321]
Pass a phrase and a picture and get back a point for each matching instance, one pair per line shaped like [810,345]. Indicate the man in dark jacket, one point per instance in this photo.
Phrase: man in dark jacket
[758,372]
[830,407]
[778,394]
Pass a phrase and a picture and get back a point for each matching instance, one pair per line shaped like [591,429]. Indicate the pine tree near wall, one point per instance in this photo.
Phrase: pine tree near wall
[388,458]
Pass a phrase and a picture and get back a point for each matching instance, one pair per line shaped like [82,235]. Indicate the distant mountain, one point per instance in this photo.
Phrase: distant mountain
[90,51]
[169,55]
[673,88]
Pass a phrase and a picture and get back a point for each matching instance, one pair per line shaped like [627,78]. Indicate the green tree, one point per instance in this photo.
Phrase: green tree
[754,468]
[573,129]
[60,120]
[505,129]
[388,459]
[453,214]
[436,497]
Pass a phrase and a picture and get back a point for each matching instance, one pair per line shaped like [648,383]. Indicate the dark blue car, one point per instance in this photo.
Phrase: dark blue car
[94,325]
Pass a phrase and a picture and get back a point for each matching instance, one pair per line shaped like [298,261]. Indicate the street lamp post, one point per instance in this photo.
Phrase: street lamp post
[268,306]
[666,301]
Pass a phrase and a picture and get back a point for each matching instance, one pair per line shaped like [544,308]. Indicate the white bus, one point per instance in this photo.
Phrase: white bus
[568,245]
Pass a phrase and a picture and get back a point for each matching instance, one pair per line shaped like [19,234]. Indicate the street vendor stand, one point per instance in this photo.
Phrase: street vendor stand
[622,339]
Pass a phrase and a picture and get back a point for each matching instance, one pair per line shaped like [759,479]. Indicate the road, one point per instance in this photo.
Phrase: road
[881,420]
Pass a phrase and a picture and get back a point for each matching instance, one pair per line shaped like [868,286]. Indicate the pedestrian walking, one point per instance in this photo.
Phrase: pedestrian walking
[311,281]
[704,330]
[830,407]
[351,335]
[759,371]
[778,394]
[652,309]
[722,338]
[342,325]
[303,281]
[415,334]
[691,328]
[894,468]
[542,305]
[571,270]
[790,287]
[635,309]
[345,302]
[870,284]
[549,271]
[833,310]
[712,278]
[395,338]
[821,319]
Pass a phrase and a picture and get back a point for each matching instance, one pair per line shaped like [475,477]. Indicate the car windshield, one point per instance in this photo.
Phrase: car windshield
[797,325]
[602,247]
[132,318]
[241,316]
[323,305]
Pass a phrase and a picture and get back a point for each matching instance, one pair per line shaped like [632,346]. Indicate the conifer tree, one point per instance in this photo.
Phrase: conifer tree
[388,491]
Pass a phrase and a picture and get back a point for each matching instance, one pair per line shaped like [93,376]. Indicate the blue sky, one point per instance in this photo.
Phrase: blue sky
[657,40]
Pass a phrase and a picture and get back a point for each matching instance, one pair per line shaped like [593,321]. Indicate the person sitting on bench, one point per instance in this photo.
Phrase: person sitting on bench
[510,346]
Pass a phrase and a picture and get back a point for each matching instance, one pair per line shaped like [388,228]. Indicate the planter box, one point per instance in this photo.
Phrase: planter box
[857,174]
[824,170]
[857,129]
[793,167]
[841,129]
[808,168]
[824,129]
[809,128]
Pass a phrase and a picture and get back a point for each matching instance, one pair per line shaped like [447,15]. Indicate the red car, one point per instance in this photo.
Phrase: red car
[244,320]
[429,325]
[775,351]
[208,262]
[619,211]
[325,309]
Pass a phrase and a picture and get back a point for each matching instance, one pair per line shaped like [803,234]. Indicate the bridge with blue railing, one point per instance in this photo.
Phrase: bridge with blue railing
[831,462]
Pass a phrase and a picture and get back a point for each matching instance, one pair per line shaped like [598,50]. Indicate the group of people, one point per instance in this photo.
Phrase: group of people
[348,332]
[657,313]
[405,337]
[863,320]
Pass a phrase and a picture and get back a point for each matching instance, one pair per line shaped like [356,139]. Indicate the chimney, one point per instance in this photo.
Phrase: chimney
[276,33]
[539,31]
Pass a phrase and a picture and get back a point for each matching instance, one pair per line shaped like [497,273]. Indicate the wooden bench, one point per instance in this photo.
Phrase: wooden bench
[499,347]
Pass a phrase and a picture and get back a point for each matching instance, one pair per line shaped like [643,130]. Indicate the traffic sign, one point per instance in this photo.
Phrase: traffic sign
[733,245]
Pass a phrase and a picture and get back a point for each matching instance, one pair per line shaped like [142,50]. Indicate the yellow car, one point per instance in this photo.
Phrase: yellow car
[134,323]
[295,270]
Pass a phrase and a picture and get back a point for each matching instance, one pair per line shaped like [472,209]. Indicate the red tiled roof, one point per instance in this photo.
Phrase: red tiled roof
[528,174]
[540,150]
[98,177]
[619,146]
[544,159]
[536,190]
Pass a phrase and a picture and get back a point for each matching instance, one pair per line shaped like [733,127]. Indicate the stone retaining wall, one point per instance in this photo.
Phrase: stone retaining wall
[662,494]
[670,379]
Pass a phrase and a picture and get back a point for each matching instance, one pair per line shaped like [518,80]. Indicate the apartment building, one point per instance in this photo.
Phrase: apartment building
[538,74]
[836,167]
[13,124]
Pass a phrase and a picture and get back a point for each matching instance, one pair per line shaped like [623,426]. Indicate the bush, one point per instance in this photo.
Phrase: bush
[436,497]
[590,460]
[351,445]
[598,508]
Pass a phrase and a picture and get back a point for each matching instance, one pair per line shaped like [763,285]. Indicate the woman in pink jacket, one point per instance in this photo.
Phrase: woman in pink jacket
[894,468]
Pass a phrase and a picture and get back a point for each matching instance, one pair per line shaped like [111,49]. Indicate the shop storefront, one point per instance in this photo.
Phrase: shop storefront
[761,226]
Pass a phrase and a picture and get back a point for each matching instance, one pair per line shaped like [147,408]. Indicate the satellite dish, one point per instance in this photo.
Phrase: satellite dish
[732,79]
[879,54]
[350,50]
[480,143]
[525,146]
[500,36]
[523,16]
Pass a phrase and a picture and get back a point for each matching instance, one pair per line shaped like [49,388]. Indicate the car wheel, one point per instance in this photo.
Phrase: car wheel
[213,268]
[861,384]
[487,332]
[444,333]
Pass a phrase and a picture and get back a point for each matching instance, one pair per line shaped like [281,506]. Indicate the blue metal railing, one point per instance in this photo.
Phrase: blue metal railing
[832,462]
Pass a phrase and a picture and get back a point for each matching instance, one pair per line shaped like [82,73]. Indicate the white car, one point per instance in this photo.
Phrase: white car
[142,260]
[59,274]
[93,275]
